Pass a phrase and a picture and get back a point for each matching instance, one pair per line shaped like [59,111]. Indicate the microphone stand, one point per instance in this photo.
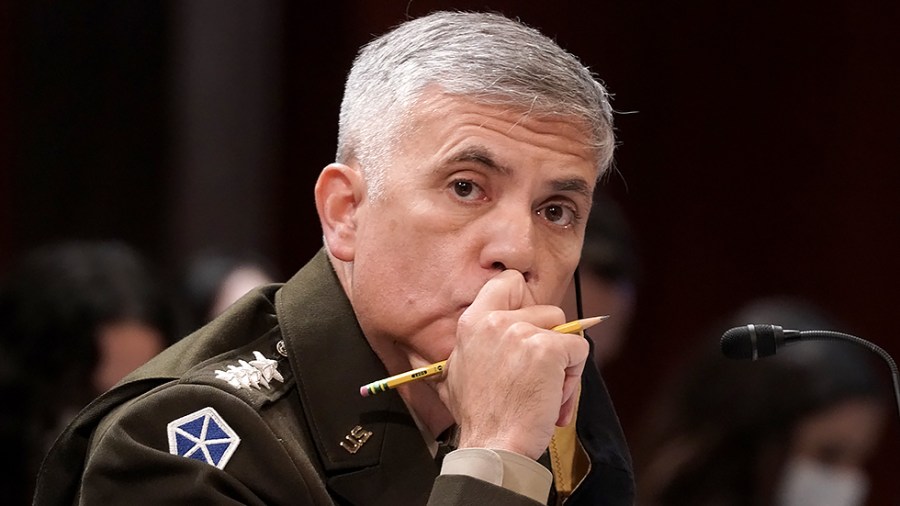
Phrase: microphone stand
[830,335]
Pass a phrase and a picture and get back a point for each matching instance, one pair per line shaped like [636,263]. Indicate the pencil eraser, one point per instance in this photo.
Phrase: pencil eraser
[363,391]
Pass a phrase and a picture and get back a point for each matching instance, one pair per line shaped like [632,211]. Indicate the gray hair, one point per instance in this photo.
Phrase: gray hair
[485,57]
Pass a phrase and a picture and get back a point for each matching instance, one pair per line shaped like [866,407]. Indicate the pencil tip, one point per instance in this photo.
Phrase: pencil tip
[590,322]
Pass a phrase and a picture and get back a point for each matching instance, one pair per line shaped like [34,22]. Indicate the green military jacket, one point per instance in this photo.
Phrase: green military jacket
[262,406]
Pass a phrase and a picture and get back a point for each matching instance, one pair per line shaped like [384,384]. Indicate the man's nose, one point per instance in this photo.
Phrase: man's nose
[510,241]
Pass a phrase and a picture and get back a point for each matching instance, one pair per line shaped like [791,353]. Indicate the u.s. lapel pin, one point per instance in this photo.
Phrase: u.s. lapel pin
[358,436]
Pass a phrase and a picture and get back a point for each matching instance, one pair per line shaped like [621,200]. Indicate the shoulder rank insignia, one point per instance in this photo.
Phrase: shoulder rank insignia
[203,435]
[251,374]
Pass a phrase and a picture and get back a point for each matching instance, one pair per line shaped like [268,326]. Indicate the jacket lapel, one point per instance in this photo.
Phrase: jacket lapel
[385,461]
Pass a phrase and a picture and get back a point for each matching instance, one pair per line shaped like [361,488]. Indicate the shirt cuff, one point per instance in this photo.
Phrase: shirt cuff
[506,469]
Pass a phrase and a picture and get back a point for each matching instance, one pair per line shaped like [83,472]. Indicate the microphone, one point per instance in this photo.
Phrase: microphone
[755,341]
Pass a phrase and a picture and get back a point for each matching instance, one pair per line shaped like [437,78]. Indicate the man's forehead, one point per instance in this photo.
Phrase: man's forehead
[434,106]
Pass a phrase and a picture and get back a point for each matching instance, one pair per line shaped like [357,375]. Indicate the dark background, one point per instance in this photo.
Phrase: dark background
[761,157]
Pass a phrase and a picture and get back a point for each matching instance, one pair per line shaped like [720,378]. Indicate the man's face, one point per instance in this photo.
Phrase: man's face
[472,190]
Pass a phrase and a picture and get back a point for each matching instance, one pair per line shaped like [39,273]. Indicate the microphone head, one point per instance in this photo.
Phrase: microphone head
[752,341]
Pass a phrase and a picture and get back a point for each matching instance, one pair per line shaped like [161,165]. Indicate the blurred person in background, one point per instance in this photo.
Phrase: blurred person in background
[609,272]
[75,318]
[794,429]
[215,279]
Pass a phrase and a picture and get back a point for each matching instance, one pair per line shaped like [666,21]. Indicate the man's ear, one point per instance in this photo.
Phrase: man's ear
[339,193]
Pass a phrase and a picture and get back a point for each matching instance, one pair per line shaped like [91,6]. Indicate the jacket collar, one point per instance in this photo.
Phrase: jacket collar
[331,359]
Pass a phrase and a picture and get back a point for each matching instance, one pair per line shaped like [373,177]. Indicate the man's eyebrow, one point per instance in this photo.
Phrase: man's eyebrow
[577,185]
[480,155]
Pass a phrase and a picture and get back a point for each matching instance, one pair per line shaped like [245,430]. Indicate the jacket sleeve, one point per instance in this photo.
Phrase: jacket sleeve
[192,444]
[456,490]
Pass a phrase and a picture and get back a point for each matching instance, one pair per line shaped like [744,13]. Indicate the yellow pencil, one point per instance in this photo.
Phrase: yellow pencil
[383,385]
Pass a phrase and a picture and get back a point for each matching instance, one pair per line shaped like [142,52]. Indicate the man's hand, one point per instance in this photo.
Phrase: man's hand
[509,379]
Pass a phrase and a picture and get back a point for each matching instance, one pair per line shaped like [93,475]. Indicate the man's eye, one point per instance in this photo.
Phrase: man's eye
[466,190]
[558,215]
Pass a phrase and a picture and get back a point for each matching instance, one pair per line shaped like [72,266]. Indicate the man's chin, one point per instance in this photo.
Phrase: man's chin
[416,361]
[435,349]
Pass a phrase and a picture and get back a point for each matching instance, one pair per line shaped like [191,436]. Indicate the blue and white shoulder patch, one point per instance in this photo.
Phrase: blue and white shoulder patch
[203,435]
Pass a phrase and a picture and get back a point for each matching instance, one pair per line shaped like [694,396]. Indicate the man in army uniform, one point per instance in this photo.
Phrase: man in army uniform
[453,220]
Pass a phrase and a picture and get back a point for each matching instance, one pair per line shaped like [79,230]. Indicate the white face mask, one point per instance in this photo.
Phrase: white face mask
[809,483]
